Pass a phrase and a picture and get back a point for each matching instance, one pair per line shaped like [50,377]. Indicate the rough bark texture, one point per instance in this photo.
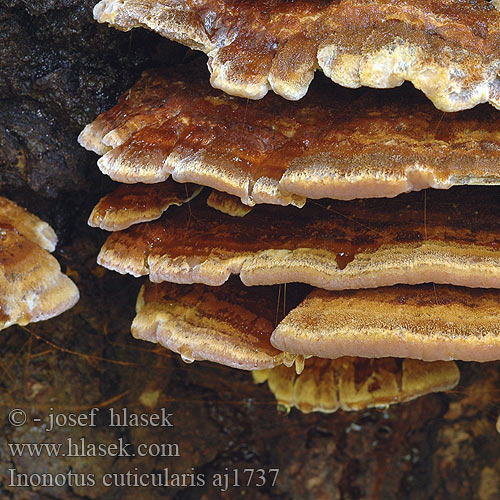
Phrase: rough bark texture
[58,70]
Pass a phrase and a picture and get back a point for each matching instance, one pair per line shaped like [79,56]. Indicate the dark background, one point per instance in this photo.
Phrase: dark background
[58,70]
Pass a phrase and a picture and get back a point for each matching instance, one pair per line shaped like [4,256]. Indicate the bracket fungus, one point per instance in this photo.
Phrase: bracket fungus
[420,322]
[128,205]
[232,325]
[368,249]
[450,50]
[329,244]
[132,204]
[333,245]
[236,326]
[32,286]
[353,384]
[331,144]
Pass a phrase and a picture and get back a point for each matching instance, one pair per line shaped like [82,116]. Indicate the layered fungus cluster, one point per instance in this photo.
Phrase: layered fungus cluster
[356,288]
[32,286]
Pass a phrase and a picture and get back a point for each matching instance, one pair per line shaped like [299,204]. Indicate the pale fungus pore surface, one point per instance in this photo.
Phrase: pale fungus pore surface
[449,50]
[449,237]
[132,204]
[230,325]
[333,143]
[426,322]
[227,204]
[353,384]
[32,286]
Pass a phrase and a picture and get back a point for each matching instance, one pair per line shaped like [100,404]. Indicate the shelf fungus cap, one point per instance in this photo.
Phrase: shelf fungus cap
[133,204]
[332,245]
[331,144]
[227,325]
[27,224]
[353,384]
[32,287]
[449,50]
[232,325]
[424,322]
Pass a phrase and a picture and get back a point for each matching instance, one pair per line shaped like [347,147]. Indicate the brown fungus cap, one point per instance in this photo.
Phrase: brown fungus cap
[27,224]
[129,205]
[230,325]
[450,50]
[353,384]
[152,98]
[424,322]
[32,287]
[436,236]
[332,144]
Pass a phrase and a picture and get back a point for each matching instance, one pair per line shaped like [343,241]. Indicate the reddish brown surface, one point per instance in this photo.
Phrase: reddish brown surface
[174,123]
[16,249]
[257,45]
[247,314]
[465,23]
[142,196]
[345,228]
[128,205]
[442,447]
